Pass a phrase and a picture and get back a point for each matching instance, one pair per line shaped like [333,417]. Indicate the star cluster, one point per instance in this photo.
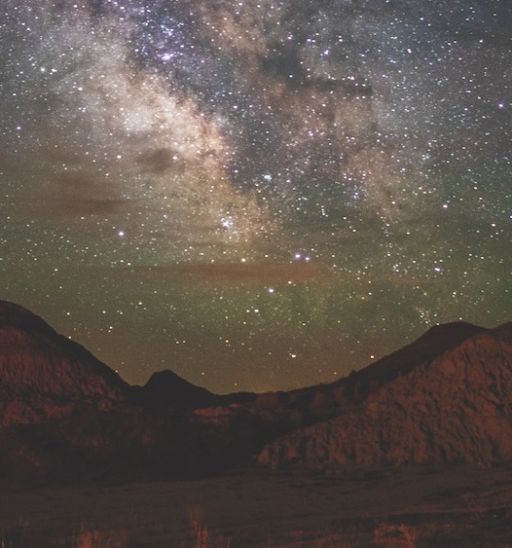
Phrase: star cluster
[257,195]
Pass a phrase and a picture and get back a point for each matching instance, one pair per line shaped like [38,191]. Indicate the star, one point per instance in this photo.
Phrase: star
[306,182]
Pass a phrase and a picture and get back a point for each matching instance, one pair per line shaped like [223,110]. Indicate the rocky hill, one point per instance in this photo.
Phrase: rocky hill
[44,375]
[65,416]
[166,390]
[455,407]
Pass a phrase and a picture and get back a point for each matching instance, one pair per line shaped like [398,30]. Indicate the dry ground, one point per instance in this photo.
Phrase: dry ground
[419,506]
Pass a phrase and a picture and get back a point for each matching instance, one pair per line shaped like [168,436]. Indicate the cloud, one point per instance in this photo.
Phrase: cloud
[259,273]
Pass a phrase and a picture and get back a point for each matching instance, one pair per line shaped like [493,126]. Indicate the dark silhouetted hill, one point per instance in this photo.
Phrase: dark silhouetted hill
[65,416]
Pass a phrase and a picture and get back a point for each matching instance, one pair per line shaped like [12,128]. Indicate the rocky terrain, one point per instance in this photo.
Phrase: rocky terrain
[66,417]
[454,408]
[412,507]
[44,375]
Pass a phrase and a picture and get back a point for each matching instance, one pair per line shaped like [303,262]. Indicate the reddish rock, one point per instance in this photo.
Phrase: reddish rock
[65,415]
[43,374]
[456,407]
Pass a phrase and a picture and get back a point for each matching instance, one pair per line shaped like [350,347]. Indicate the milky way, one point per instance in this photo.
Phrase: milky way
[257,195]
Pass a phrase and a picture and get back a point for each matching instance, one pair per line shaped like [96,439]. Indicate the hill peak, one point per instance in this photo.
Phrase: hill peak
[35,361]
[167,389]
[14,315]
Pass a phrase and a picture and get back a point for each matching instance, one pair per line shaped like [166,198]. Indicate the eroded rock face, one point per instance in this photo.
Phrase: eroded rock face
[455,408]
[43,374]
[64,414]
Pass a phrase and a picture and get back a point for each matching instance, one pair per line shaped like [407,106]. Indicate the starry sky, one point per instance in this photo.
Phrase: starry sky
[256,194]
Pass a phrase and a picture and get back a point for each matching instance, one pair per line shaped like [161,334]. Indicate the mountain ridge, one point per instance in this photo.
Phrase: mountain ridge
[65,414]
[454,408]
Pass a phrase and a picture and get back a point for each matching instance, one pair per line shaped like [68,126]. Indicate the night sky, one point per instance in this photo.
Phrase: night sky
[255,194]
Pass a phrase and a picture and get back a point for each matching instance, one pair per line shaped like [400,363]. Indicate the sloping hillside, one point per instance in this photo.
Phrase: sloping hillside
[455,408]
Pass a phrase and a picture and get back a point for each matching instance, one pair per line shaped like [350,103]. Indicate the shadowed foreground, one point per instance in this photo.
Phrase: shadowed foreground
[419,506]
